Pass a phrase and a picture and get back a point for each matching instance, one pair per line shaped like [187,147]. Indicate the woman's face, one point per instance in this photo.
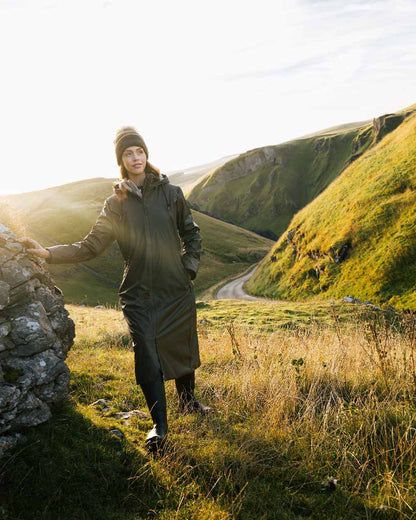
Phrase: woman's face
[134,160]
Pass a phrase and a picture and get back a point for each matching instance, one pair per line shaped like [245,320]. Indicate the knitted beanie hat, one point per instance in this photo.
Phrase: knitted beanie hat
[128,136]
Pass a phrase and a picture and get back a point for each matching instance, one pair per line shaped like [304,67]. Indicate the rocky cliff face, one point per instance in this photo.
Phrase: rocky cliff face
[35,336]
[237,168]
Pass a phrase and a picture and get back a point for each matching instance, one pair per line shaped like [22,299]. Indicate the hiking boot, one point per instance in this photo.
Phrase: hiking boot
[188,404]
[154,393]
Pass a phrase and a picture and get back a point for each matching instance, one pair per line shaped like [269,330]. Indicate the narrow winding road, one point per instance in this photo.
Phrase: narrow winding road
[234,289]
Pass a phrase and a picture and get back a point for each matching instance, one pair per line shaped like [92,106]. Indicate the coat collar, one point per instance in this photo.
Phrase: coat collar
[122,188]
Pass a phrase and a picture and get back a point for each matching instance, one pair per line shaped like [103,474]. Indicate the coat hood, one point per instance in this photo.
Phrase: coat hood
[121,188]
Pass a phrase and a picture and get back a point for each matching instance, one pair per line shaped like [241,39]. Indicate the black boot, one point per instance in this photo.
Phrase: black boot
[185,386]
[154,393]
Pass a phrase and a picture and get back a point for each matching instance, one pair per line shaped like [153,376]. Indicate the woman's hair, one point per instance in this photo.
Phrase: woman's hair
[149,168]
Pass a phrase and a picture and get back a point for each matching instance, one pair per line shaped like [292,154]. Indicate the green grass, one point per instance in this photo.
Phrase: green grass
[293,406]
[262,189]
[369,212]
[66,213]
[271,316]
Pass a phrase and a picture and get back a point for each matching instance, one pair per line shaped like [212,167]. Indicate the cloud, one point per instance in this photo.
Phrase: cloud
[336,41]
[315,63]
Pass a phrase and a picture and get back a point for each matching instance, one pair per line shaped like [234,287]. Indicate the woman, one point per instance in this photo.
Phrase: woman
[148,217]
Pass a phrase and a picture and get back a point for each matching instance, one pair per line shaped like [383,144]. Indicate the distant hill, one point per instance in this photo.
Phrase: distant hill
[263,188]
[189,177]
[356,238]
[98,188]
[65,214]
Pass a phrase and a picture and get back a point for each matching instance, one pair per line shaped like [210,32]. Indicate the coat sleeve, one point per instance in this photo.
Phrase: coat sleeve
[189,233]
[98,239]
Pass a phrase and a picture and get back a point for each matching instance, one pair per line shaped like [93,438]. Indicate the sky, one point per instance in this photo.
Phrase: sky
[199,80]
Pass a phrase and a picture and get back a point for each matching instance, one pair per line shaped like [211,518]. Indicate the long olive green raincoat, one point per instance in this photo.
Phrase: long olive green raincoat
[156,293]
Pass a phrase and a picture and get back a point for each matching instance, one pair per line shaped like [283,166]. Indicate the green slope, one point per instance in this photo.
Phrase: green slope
[187,178]
[263,188]
[66,213]
[358,237]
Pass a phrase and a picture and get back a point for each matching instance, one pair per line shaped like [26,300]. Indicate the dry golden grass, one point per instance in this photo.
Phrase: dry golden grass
[297,405]
[293,407]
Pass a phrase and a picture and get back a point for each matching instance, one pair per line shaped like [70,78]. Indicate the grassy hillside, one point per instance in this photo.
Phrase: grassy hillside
[263,188]
[66,213]
[358,237]
[311,400]
[189,177]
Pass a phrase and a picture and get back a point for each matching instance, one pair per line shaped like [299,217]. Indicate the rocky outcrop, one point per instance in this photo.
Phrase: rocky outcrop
[239,167]
[385,124]
[35,336]
[247,163]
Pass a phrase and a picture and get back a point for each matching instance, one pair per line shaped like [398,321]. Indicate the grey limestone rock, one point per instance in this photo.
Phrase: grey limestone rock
[4,294]
[31,329]
[35,336]
[349,299]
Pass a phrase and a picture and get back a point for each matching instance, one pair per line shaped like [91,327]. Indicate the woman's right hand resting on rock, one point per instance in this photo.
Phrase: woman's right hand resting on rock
[34,248]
